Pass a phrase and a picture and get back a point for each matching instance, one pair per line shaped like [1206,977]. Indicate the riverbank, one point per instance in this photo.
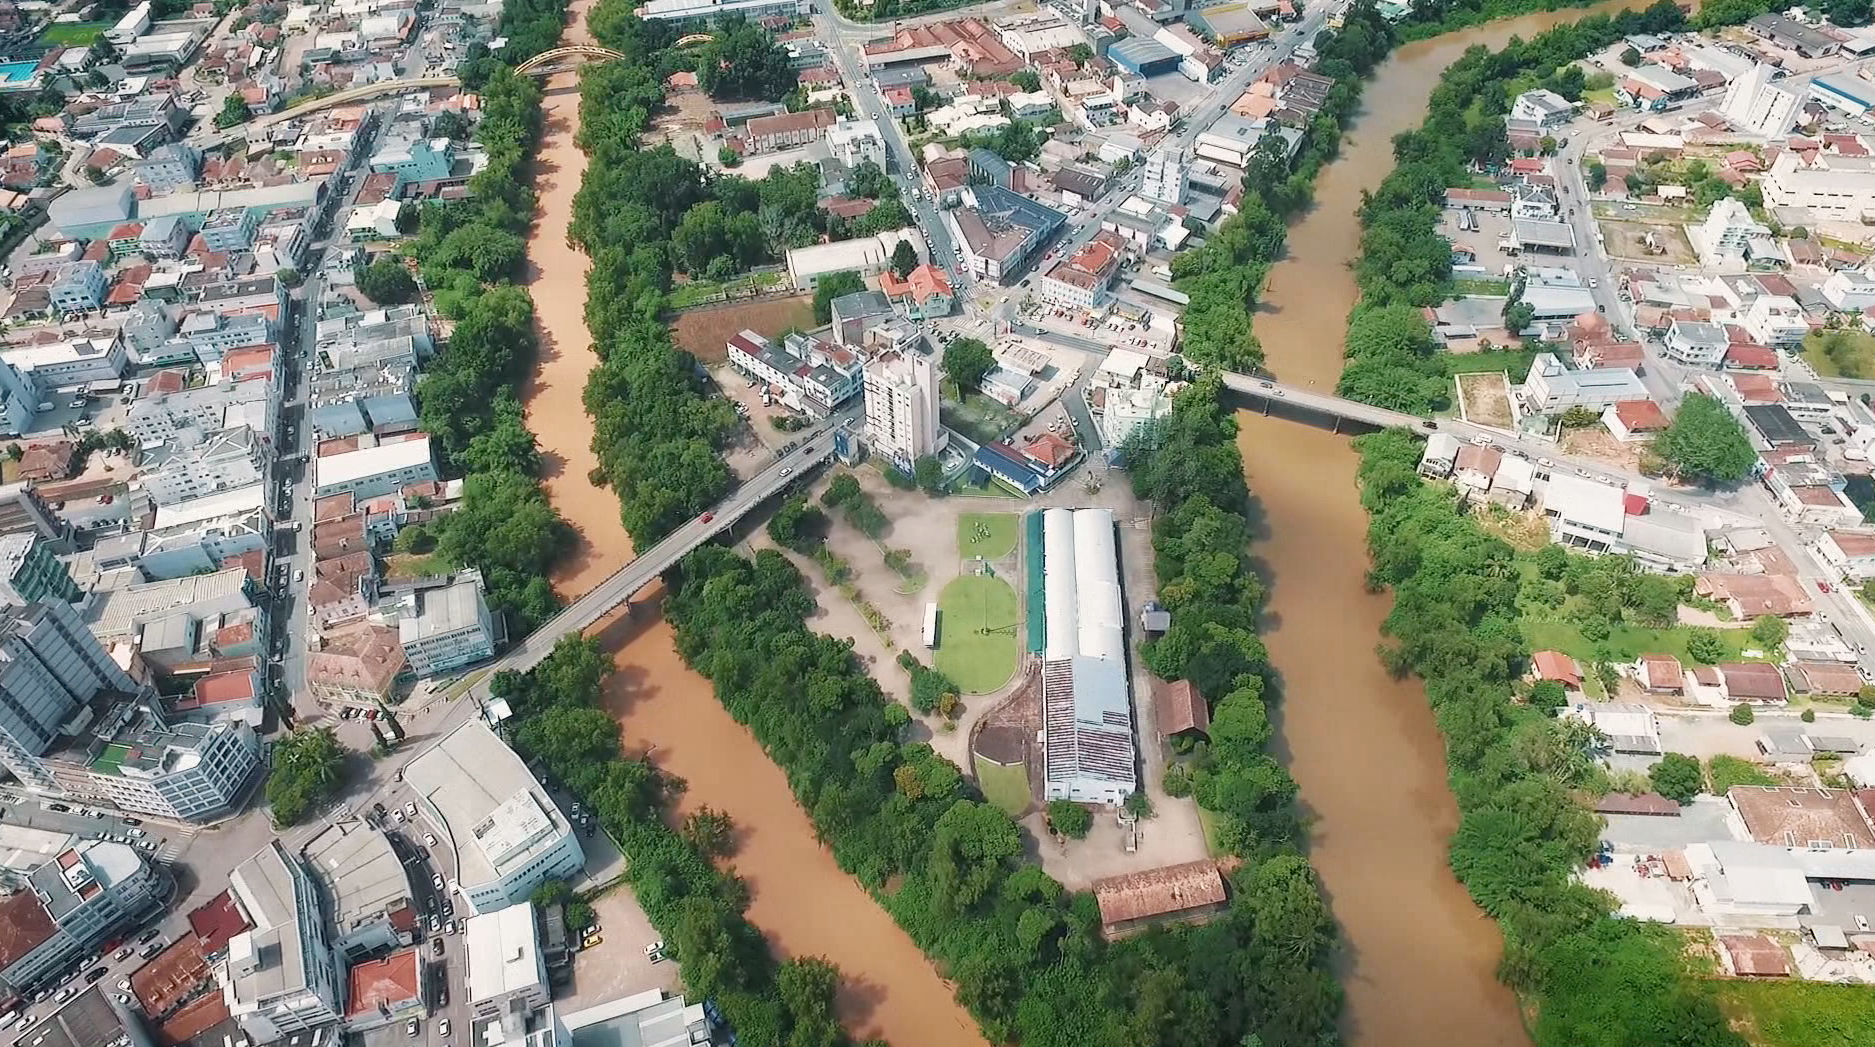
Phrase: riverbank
[663,709]
[1521,829]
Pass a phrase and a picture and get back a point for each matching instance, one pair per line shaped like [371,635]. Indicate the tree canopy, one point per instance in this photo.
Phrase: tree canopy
[967,360]
[1705,444]
[305,774]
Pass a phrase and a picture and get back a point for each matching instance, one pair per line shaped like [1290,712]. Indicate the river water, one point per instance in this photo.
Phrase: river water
[1363,748]
[801,899]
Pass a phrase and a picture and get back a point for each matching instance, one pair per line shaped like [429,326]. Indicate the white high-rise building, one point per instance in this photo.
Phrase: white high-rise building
[1165,175]
[902,407]
[19,399]
[1756,105]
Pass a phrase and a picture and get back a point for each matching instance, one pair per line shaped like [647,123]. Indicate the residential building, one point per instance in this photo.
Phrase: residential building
[1544,108]
[487,809]
[194,465]
[902,408]
[999,232]
[169,168]
[281,976]
[69,362]
[1552,387]
[924,294]
[165,406]
[388,990]
[367,886]
[1727,232]
[855,142]
[1089,754]
[1126,393]
[200,534]
[1777,321]
[1696,344]
[19,399]
[136,758]
[358,667]
[229,229]
[30,573]
[1165,174]
[75,900]
[1756,105]
[507,977]
[50,667]
[1080,280]
[804,374]
[446,628]
[371,471]
[91,1019]
[22,509]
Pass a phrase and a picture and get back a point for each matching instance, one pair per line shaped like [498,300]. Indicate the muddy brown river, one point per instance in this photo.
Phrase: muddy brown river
[800,899]
[1419,957]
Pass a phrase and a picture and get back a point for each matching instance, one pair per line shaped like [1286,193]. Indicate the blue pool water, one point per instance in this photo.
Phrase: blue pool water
[15,72]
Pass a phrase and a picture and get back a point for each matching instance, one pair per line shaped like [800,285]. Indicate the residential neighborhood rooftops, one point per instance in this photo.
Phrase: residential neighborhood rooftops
[1788,816]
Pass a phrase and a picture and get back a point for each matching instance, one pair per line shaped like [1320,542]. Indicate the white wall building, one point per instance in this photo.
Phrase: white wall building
[1087,708]
[50,667]
[372,471]
[855,142]
[185,771]
[281,975]
[1776,320]
[902,408]
[1850,552]
[1165,175]
[1696,344]
[1727,230]
[447,628]
[1757,106]
[73,901]
[195,464]
[488,811]
[1835,187]
[507,978]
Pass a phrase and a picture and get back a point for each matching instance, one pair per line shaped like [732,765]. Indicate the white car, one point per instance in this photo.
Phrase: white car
[429,839]
[410,809]
[398,814]
[436,880]
[442,1027]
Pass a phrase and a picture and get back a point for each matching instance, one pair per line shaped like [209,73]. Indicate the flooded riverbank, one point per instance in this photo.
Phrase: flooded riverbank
[801,899]
[1362,746]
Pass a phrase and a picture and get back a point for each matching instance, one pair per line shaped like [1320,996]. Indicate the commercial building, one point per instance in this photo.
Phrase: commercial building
[194,464]
[30,573]
[71,903]
[489,811]
[1793,35]
[371,471]
[50,667]
[855,142]
[1552,387]
[1126,393]
[1598,517]
[649,1019]
[135,757]
[357,666]
[1696,344]
[281,975]
[1832,186]
[924,293]
[1165,175]
[90,1019]
[1546,109]
[902,408]
[1850,552]
[1080,280]
[507,977]
[1756,105]
[19,400]
[1143,57]
[166,405]
[690,14]
[447,628]
[1087,710]
[73,361]
[805,374]
[367,888]
[865,255]
[998,232]
[385,991]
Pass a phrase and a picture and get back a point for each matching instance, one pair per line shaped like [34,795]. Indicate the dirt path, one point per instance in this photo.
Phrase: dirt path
[801,899]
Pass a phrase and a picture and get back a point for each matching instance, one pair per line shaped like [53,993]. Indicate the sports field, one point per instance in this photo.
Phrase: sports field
[1006,787]
[989,535]
[977,635]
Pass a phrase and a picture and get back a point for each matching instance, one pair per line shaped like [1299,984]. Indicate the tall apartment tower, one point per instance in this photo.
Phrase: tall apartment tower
[50,667]
[1164,175]
[902,407]
[1757,106]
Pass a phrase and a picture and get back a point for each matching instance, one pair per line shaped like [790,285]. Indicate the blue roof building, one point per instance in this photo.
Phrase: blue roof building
[1144,57]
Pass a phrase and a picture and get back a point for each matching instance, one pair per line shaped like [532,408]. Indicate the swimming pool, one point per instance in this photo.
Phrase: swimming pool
[17,72]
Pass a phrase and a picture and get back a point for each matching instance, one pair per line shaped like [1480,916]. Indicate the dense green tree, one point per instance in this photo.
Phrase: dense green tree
[1742,714]
[710,831]
[233,111]
[966,361]
[831,286]
[387,282]
[1069,818]
[1677,777]
[1770,631]
[1705,444]
[904,258]
[741,61]
[1705,645]
[304,774]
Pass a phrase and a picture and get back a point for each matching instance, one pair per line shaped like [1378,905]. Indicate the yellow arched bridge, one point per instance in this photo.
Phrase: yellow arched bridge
[540,65]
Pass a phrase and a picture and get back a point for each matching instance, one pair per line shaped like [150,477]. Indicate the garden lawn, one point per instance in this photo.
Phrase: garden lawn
[1626,642]
[989,535]
[977,633]
[1800,1014]
[1857,361]
[1006,787]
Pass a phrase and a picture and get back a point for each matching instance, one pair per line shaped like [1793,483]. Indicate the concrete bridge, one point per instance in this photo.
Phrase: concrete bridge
[1340,411]
[816,446]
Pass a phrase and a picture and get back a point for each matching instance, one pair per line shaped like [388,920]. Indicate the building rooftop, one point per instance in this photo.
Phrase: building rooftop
[443,611]
[362,875]
[503,952]
[24,926]
[352,466]
[496,815]
[89,1020]
[1158,892]
[386,982]
[1787,816]
[116,613]
[171,976]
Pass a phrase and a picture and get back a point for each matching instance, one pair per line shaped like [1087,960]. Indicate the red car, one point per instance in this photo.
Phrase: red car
[1825,587]
[707,517]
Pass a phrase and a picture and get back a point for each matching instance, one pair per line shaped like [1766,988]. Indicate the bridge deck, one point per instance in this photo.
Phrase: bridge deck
[1321,403]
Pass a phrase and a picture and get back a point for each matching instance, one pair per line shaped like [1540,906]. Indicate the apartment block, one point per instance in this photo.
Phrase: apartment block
[902,408]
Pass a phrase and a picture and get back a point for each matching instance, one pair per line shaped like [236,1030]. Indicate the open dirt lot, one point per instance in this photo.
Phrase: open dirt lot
[1485,399]
[704,333]
[1629,240]
[1597,442]
[617,965]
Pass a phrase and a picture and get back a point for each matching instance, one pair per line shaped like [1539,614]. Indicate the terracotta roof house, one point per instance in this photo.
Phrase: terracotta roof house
[1131,902]
[49,461]
[1790,816]
[1660,674]
[1831,678]
[1181,709]
[1751,595]
[1555,665]
[1755,956]
[1753,682]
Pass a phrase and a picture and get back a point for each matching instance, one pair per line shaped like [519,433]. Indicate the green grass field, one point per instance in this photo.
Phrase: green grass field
[1800,1014]
[73,34]
[1006,787]
[1841,354]
[989,535]
[977,635]
[1628,642]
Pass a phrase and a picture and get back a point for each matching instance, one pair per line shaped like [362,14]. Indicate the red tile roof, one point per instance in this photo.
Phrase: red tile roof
[24,926]
[391,981]
[171,976]
[1641,416]
[216,922]
[1555,665]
